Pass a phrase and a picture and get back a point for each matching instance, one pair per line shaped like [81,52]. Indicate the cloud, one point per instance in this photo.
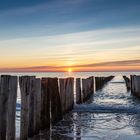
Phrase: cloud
[114,63]
[50,6]
[85,67]
[96,46]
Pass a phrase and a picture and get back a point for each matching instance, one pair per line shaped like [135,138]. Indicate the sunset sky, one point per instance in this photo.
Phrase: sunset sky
[58,35]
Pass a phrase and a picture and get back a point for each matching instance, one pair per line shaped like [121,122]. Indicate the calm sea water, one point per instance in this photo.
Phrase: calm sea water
[111,114]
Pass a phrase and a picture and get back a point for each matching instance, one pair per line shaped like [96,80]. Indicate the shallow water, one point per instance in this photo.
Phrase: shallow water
[111,114]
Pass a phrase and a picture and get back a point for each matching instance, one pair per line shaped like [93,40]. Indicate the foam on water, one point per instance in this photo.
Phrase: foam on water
[95,108]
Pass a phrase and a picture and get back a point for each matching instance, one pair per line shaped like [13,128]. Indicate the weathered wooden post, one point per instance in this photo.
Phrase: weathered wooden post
[37,105]
[134,85]
[69,94]
[62,84]
[31,108]
[78,91]
[84,89]
[45,105]
[4,94]
[26,88]
[11,112]
[56,109]
[131,78]
[72,92]
[97,83]
[87,87]
[91,85]
[8,93]
[137,86]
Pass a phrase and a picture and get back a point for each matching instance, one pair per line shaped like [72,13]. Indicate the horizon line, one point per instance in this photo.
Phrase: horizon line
[66,71]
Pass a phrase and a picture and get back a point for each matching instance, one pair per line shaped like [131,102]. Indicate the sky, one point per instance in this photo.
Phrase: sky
[62,35]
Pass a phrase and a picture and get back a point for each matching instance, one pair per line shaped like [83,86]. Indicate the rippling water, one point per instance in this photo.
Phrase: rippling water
[111,114]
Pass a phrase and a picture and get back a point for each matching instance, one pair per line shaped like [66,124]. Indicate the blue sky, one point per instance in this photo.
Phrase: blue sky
[27,18]
[44,26]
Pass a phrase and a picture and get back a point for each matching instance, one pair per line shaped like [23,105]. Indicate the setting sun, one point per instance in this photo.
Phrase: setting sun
[69,70]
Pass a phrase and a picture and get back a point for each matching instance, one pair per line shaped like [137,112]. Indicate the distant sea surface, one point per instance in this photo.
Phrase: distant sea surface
[73,74]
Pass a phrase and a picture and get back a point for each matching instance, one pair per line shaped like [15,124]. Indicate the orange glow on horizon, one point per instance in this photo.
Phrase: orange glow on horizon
[72,69]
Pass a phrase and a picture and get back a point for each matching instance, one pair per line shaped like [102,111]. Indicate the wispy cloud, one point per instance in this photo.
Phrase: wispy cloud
[50,6]
[96,47]
[127,65]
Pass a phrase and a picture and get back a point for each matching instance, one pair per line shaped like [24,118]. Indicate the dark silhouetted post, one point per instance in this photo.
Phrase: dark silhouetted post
[26,88]
[11,112]
[37,105]
[8,93]
[69,94]
[62,84]
[78,91]
[56,109]
[45,105]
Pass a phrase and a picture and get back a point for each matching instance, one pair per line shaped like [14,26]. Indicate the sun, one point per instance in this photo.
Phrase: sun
[69,70]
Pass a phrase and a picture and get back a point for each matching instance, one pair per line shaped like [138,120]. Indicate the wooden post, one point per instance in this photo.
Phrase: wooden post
[97,83]
[78,91]
[11,113]
[62,84]
[56,109]
[88,87]
[37,105]
[45,105]
[131,78]
[31,108]
[134,84]
[72,92]
[137,84]
[84,89]
[69,94]
[4,87]
[91,85]
[8,92]
[26,85]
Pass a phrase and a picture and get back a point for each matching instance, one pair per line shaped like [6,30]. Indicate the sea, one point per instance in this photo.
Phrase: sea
[112,113]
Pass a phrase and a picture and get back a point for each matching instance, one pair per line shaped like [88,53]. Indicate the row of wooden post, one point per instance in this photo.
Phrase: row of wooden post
[101,81]
[47,106]
[44,101]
